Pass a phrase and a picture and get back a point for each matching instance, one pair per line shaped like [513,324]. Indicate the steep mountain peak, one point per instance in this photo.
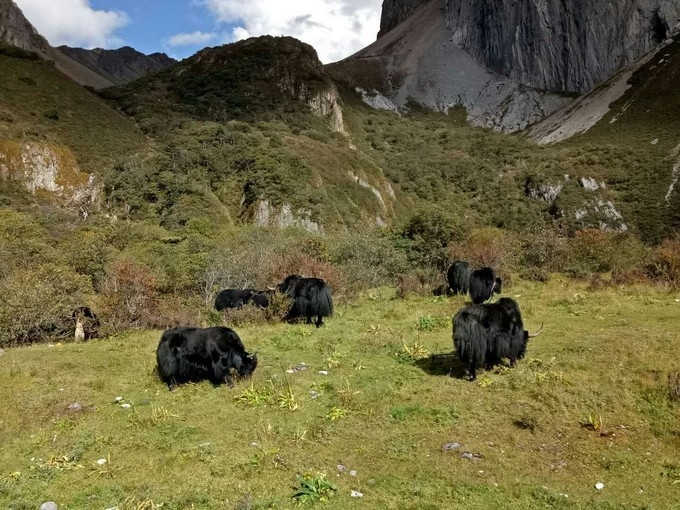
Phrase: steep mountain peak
[119,66]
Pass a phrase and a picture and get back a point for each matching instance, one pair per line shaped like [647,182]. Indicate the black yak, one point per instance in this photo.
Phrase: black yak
[311,298]
[237,298]
[198,354]
[458,277]
[484,334]
[483,283]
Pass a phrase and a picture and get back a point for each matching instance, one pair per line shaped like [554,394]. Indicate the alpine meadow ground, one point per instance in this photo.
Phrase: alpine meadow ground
[374,402]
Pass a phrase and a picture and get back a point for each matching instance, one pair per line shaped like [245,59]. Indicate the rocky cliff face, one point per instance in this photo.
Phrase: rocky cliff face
[394,12]
[418,61]
[563,45]
[17,31]
[119,66]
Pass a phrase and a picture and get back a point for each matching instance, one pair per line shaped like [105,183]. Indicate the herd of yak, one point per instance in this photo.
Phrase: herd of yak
[483,333]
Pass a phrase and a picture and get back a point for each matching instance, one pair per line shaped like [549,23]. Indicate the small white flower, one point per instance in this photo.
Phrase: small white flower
[356,494]
[125,406]
[101,461]
[599,486]
[323,372]
[118,399]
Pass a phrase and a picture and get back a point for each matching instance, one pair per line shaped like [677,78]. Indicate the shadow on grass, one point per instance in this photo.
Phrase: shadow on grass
[443,364]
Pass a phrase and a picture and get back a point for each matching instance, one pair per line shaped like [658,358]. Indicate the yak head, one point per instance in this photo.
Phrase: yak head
[248,365]
[288,284]
[497,285]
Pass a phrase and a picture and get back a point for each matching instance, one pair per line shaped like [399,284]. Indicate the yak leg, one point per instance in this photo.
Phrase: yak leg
[220,374]
[308,320]
[473,371]
[319,321]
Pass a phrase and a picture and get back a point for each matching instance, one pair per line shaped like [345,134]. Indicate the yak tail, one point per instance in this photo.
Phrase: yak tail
[168,364]
[322,301]
[470,339]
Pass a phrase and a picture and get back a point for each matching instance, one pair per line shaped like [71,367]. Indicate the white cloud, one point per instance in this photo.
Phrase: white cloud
[336,28]
[191,39]
[74,22]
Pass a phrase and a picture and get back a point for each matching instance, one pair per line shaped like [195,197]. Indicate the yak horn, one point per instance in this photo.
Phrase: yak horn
[252,355]
[271,288]
[532,335]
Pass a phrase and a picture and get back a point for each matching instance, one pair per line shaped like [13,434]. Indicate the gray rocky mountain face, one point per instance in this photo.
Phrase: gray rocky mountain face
[396,11]
[560,45]
[17,31]
[119,66]
[418,61]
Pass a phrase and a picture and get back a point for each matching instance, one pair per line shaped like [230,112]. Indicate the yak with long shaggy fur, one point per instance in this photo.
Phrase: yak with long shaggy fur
[199,354]
[483,284]
[485,334]
[311,298]
[237,298]
[458,277]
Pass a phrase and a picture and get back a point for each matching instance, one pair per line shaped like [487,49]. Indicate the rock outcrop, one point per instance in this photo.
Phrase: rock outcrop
[118,66]
[48,168]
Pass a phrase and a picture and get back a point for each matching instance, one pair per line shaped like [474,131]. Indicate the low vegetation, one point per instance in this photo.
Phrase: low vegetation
[381,417]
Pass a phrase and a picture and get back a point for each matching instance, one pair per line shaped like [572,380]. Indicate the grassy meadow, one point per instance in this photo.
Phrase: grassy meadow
[591,403]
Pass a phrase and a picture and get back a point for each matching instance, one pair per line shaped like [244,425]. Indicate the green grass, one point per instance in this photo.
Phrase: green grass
[603,357]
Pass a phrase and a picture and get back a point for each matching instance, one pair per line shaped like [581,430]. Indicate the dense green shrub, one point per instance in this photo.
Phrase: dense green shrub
[37,303]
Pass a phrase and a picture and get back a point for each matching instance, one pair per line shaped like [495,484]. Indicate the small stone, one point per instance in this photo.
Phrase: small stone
[254,444]
[342,468]
[599,486]
[101,461]
[49,505]
[471,456]
[314,394]
[356,494]
[118,399]
[451,446]
[353,472]
[125,406]
[323,372]
[75,407]
[290,371]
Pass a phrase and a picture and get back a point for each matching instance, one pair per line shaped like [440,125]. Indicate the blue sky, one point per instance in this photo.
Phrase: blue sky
[336,28]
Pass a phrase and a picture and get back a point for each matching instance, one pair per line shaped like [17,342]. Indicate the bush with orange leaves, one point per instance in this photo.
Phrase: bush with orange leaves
[487,247]
[128,295]
[665,265]
[306,265]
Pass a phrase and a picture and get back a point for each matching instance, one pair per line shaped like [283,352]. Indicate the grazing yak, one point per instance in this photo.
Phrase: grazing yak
[311,298]
[484,334]
[197,354]
[458,277]
[483,283]
[237,298]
